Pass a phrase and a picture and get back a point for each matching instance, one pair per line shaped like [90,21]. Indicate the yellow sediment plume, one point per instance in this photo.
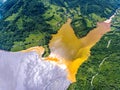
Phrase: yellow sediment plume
[75,51]
[67,49]
[52,59]
[65,44]
[82,56]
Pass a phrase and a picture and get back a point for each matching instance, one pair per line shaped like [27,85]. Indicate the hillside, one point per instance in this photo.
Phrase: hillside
[101,71]
[28,23]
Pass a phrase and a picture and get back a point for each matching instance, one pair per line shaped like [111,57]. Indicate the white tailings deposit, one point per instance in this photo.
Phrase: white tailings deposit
[27,71]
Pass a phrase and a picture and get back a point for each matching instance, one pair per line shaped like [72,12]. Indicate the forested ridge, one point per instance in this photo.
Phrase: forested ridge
[28,23]
[101,71]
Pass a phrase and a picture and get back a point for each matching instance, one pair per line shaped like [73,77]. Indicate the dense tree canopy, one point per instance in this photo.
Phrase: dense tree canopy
[101,71]
[24,20]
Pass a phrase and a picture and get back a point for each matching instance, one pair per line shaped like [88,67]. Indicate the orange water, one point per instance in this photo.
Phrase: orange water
[67,49]
[73,51]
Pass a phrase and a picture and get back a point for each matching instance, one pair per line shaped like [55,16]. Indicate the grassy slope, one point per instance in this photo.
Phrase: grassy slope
[101,71]
[28,23]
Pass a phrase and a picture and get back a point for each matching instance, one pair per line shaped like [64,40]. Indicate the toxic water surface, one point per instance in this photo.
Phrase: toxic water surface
[68,51]
[73,51]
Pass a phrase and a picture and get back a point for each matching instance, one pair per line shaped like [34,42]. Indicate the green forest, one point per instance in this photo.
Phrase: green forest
[28,23]
[101,71]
